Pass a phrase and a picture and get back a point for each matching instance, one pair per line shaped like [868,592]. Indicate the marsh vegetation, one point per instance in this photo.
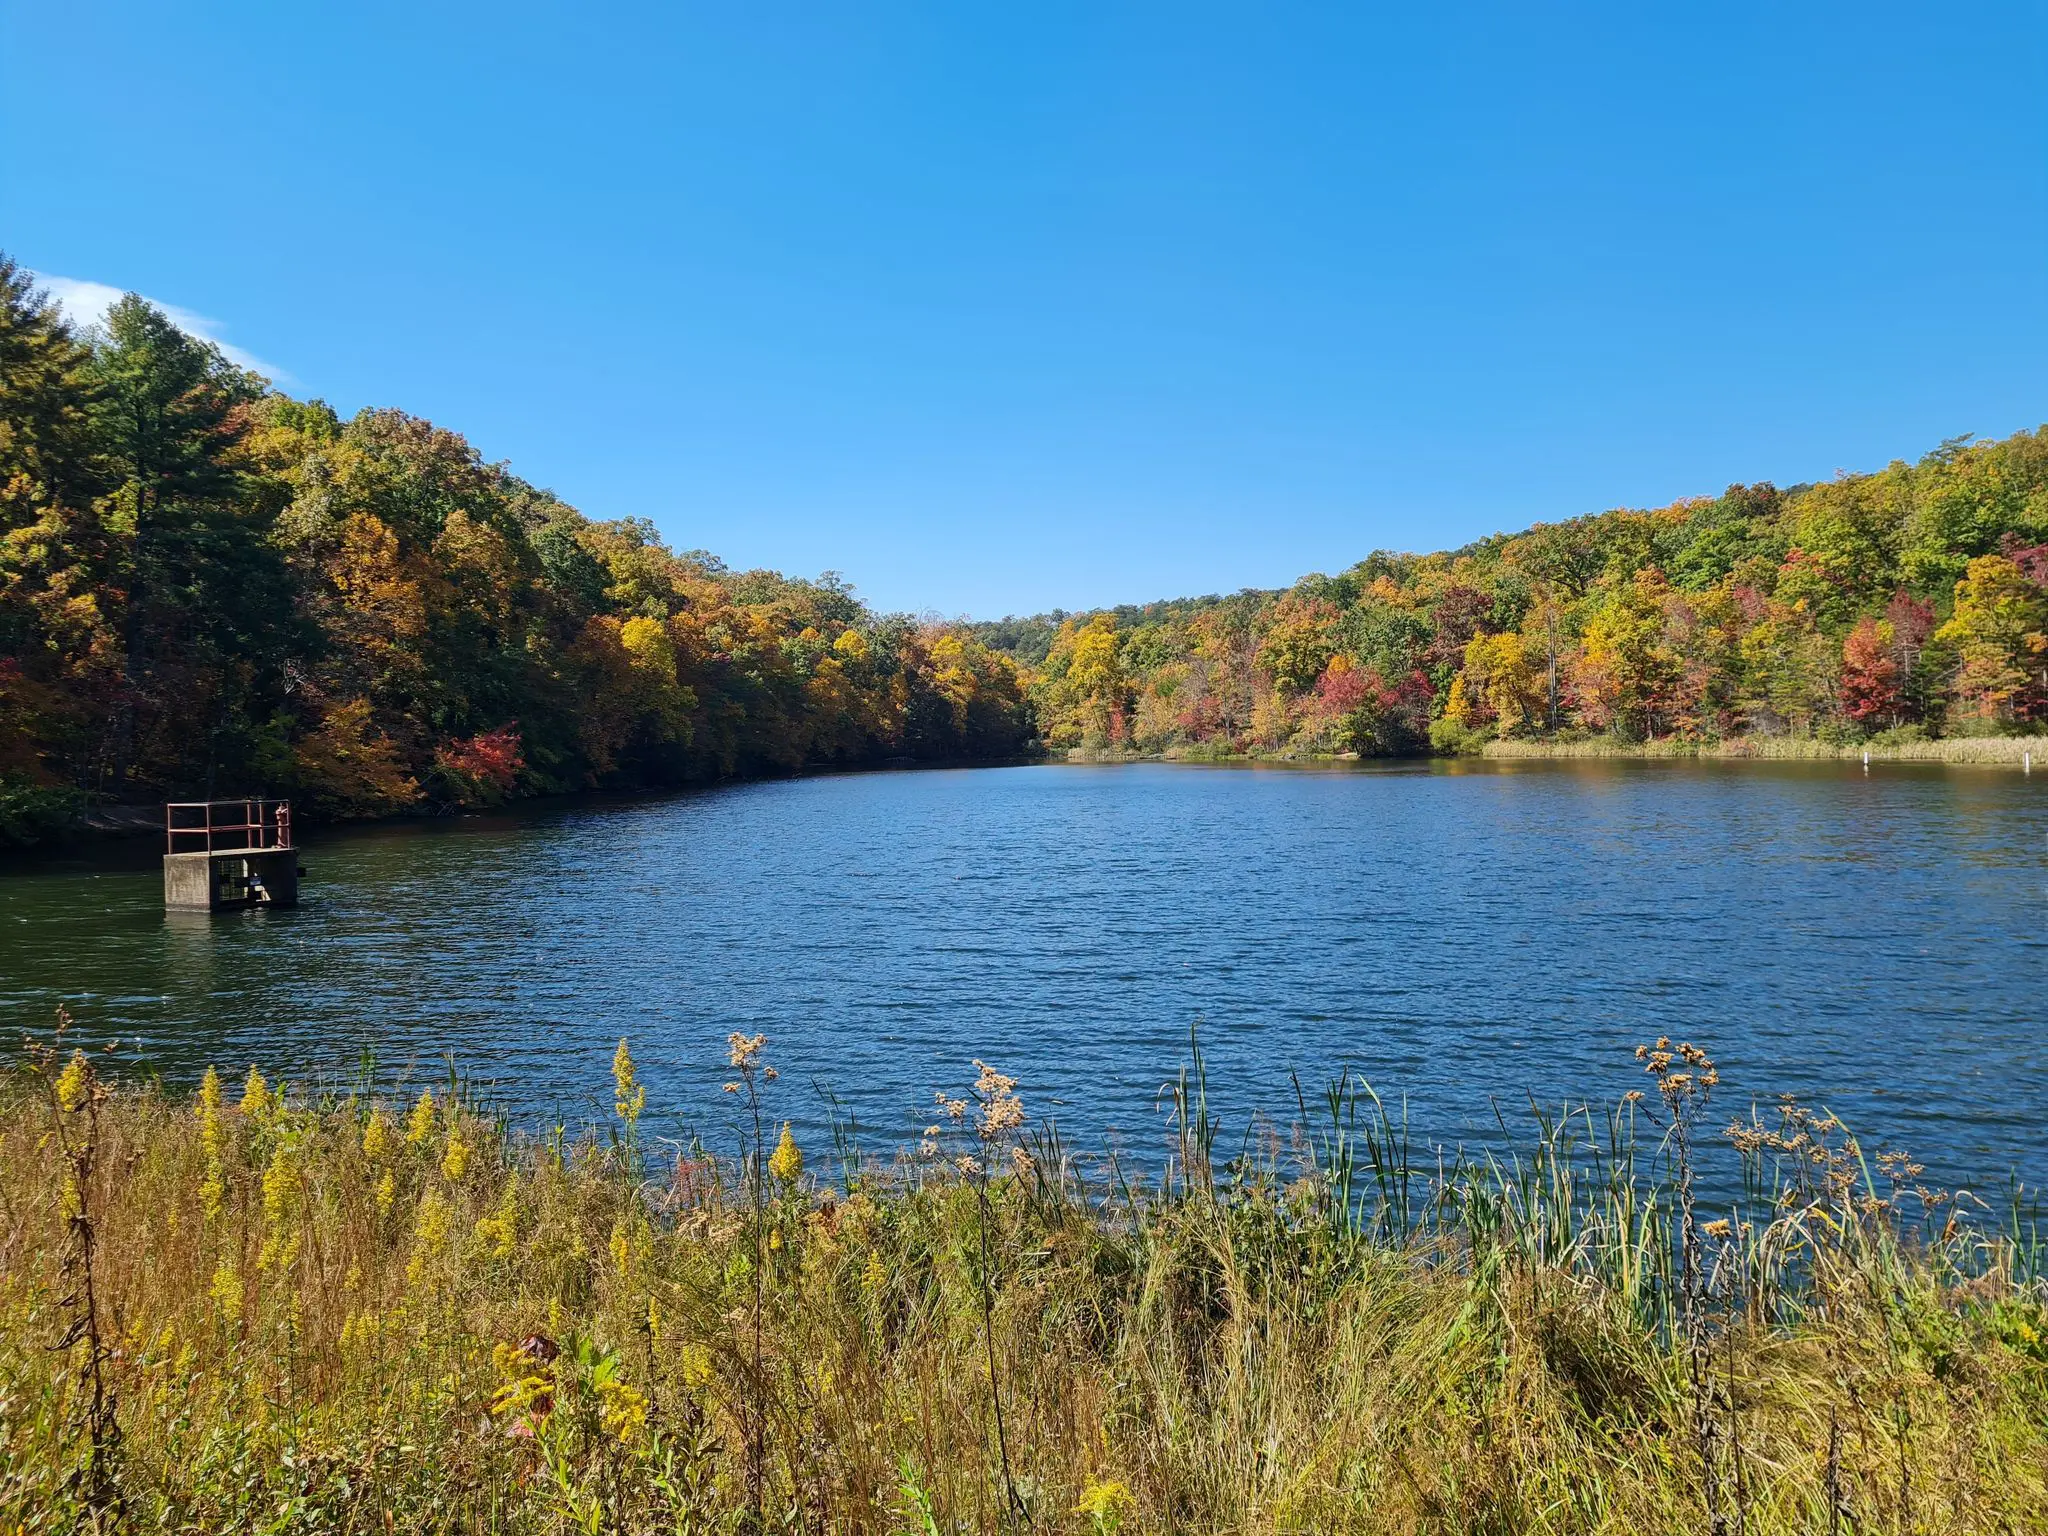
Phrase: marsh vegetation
[259,1310]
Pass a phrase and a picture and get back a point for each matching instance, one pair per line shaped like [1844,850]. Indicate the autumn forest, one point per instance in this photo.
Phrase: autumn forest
[1903,604]
[210,587]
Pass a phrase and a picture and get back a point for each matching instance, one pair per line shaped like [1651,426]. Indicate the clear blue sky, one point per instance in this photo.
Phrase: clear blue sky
[996,308]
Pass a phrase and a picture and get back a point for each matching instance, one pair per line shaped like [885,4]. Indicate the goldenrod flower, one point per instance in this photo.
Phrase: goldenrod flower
[420,1124]
[786,1162]
[621,1409]
[622,1249]
[501,1228]
[1106,1504]
[282,1185]
[209,1110]
[226,1291]
[213,1187]
[74,1082]
[629,1098]
[376,1134]
[255,1096]
[696,1364]
[430,1235]
[455,1162]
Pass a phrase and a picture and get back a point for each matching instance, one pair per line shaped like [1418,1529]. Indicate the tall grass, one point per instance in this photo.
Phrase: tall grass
[2007,751]
[347,1314]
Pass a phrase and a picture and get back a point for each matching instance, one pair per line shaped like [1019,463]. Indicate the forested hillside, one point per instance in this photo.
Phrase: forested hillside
[1909,602]
[208,587]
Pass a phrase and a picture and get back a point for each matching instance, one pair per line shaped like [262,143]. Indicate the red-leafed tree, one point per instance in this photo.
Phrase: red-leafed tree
[485,769]
[1870,674]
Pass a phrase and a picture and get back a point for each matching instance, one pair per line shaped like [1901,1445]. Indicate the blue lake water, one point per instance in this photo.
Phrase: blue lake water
[1466,934]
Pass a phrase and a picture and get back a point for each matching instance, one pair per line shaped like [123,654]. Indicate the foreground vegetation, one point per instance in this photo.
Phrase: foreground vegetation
[248,1311]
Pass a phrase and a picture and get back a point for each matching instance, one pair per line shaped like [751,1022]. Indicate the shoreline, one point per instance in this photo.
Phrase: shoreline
[1951,751]
[128,821]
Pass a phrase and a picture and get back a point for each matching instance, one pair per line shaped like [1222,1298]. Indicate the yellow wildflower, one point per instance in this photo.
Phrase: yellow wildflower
[387,1192]
[282,1185]
[213,1187]
[376,1134]
[455,1163]
[74,1082]
[420,1124]
[501,1228]
[255,1096]
[786,1162]
[621,1409]
[430,1235]
[226,1291]
[874,1275]
[696,1364]
[630,1098]
[1106,1504]
[209,1111]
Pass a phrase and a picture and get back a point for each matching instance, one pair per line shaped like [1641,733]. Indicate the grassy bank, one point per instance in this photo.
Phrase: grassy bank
[251,1312]
[2002,751]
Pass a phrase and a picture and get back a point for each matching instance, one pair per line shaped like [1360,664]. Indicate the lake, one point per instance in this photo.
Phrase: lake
[1467,934]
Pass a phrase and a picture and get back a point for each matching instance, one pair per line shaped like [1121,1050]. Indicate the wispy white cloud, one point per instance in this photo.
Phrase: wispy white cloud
[86,303]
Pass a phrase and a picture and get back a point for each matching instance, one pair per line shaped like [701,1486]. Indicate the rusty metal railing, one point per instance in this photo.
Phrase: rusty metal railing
[264,824]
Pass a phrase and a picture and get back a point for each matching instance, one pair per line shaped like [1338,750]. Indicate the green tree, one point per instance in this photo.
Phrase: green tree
[2000,634]
[205,609]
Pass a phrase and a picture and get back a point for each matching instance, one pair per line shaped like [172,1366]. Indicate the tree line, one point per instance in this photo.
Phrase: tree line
[1908,603]
[208,587]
